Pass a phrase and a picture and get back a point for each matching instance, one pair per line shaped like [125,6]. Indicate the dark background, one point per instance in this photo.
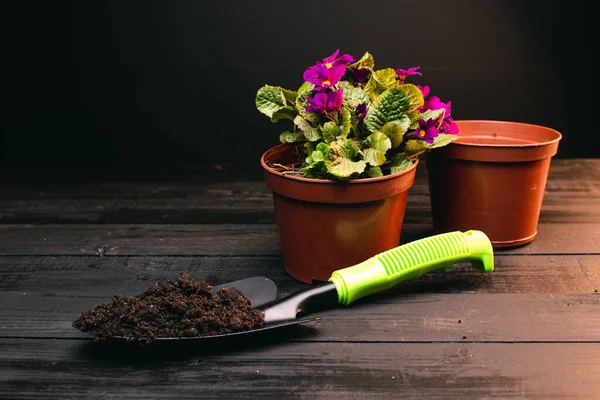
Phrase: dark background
[163,83]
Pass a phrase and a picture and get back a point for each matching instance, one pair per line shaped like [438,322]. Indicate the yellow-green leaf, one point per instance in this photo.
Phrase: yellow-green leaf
[415,147]
[381,81]
[330,132]
[388,108]
[270,99]
[312,134]
[374,172]
[442,140]
[292,137]
[395,132]
[413,95]
[366,61]
[399,163]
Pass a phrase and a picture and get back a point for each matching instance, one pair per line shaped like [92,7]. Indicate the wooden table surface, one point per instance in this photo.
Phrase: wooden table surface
[530,329]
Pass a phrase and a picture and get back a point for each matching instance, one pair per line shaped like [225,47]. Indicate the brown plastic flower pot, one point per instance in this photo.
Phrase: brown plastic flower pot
[327,225]
[492,178]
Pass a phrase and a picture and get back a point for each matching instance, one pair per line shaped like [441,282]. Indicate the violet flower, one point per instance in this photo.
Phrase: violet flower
[359,75]
[328,71]
[427,130]
[325,101]
[447,124]
[434,103]
[425,90]
[403,73]
[361,111]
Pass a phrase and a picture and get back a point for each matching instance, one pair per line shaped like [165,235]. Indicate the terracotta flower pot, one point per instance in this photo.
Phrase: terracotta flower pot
[327,225]
[492,178]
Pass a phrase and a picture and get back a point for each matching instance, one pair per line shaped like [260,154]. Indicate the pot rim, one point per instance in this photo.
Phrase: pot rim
[326,181]
[458,142]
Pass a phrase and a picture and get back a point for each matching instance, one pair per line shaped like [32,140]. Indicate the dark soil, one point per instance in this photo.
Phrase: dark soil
[184,308]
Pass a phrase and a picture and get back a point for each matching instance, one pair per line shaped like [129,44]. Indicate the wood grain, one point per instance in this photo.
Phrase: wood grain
[234,239]
[394,317]
[106,276]
[185,200]
[530,329]
[51,368]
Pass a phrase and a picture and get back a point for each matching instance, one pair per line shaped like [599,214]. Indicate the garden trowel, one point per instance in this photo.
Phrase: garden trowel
[378,273]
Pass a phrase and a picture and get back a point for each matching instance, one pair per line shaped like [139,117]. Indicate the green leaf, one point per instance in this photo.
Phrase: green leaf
[301,104]
[414,117]
[315,166]
[343,168]
[374,172]
[378,144]
[270,99]
[442,140]
[399,163]
[318,156]
[366,61]
[413,95]
[330,132]
[323,148]
[415,147]
[286,112]
[312,134]
[346,122]
[353,95]
[310,147]
[432,114]
[289,95]
[395,132]
[378,141]
[388,108]
[340,159]
[292,137]
[343,148]
[381,81]
[306,86]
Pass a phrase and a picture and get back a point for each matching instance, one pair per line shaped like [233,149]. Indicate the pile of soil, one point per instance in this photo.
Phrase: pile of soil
[183,308]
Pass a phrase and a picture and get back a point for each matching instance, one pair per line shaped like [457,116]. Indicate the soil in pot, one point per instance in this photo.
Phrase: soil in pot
[492,178]
[184,308]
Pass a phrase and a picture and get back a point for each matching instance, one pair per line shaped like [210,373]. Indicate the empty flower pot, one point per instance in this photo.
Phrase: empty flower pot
[327,225]
[492,178]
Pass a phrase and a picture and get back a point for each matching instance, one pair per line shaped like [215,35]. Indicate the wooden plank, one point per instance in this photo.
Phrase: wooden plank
[138,239]
[44,369]
[106,276]
[188,201]
[234,239]
[393,317]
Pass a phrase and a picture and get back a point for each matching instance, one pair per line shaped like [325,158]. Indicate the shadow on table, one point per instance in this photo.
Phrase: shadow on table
[136,353]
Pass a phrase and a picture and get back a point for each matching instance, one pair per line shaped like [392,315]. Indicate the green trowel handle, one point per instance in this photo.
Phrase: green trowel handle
[412,260]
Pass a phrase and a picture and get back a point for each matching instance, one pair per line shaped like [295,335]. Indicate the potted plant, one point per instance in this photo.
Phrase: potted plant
[342,171]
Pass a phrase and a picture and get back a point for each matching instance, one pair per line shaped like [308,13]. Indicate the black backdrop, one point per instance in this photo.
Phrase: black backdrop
[112,83]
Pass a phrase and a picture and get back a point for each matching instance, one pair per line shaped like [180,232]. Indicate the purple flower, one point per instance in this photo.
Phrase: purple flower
[325,101]
[447,124]
[403,73]
[427,130]
[328,71]
[434,103]
[425,90]
[361,111]
[334,60]
[359,75]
